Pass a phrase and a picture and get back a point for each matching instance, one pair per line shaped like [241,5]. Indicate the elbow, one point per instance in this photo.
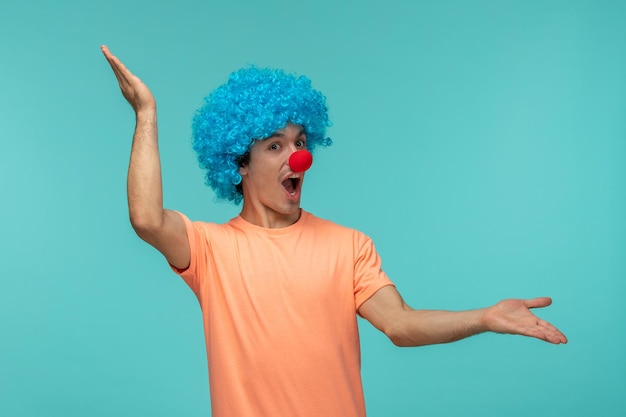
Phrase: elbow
[404,333]
[398,340]
[145,225]
[398,335]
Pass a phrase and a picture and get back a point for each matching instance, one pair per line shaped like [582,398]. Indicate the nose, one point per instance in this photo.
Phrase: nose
[300,161]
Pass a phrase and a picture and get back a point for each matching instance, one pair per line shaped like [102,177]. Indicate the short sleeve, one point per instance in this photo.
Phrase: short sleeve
[369,276]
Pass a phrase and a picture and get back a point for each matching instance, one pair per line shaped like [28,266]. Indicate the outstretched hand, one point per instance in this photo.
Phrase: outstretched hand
[515,317]
[133,89]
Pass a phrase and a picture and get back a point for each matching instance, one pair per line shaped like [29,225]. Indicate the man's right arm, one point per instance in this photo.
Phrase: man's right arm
[163,229]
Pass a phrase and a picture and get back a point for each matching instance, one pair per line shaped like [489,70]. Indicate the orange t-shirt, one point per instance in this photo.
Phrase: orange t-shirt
[279,309]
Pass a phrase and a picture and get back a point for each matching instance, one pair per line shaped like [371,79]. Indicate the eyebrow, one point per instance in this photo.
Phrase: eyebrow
[280,135]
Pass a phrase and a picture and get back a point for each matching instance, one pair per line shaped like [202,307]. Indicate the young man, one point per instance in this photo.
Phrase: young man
[280,288]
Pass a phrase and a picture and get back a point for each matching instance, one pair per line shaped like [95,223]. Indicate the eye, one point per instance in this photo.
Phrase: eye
[274,146]
[301,143]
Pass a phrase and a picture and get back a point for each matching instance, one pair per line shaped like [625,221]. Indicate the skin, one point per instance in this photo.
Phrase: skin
[161,228]
[388,312]
[268,204]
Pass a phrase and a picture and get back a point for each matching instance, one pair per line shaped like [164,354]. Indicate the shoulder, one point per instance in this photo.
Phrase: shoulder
[312,220]
[201,227]
[334,229]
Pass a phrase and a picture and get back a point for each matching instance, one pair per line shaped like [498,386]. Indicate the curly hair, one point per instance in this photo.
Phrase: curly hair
[253,104]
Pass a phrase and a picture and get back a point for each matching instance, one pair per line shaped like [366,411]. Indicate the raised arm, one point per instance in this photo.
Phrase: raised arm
[163,229]
[388,312]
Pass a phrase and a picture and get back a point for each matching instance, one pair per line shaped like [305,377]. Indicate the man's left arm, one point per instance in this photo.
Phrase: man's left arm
[388,312]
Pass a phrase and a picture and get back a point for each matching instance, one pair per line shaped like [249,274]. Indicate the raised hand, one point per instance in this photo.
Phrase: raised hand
[515,317]
[133,89]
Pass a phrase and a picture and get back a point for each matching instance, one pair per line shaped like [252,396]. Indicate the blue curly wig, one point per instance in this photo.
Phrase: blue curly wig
[253,104]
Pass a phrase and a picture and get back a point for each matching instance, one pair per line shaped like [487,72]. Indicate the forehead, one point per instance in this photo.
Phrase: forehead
[288,131]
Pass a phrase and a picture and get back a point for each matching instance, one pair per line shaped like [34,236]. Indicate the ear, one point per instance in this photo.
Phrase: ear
[243,161]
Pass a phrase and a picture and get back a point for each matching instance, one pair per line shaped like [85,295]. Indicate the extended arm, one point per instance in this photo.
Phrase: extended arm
[388,312]
[163,229]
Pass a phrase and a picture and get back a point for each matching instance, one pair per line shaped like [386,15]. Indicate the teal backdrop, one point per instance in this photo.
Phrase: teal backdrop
[481,144]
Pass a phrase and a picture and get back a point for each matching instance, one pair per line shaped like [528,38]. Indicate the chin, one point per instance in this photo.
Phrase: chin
[291,207]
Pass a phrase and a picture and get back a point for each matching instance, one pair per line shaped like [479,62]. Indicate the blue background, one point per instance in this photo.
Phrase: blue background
[480,144]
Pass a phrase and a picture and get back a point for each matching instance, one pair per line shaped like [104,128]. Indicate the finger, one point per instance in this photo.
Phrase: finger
[538,302]
[554,337]
[109,56]
[538,333]
[114,63]
[105,50]
[544,331]
[553,334]
[119,69]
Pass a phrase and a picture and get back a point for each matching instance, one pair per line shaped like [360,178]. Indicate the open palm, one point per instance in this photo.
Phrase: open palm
[515,317]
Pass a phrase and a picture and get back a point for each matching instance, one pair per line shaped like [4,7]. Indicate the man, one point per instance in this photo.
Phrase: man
[280,288]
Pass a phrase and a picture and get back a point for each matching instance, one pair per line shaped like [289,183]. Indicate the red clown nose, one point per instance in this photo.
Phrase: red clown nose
[300,161]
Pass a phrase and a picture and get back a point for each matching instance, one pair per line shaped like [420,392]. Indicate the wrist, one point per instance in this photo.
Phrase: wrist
[482,320]
[146,113]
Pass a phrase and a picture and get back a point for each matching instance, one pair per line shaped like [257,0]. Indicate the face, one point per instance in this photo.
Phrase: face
[271,189]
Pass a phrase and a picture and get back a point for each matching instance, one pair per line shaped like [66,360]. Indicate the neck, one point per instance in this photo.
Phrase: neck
[269,218]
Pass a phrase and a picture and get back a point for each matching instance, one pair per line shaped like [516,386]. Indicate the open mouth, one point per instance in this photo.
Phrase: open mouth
[291,185]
